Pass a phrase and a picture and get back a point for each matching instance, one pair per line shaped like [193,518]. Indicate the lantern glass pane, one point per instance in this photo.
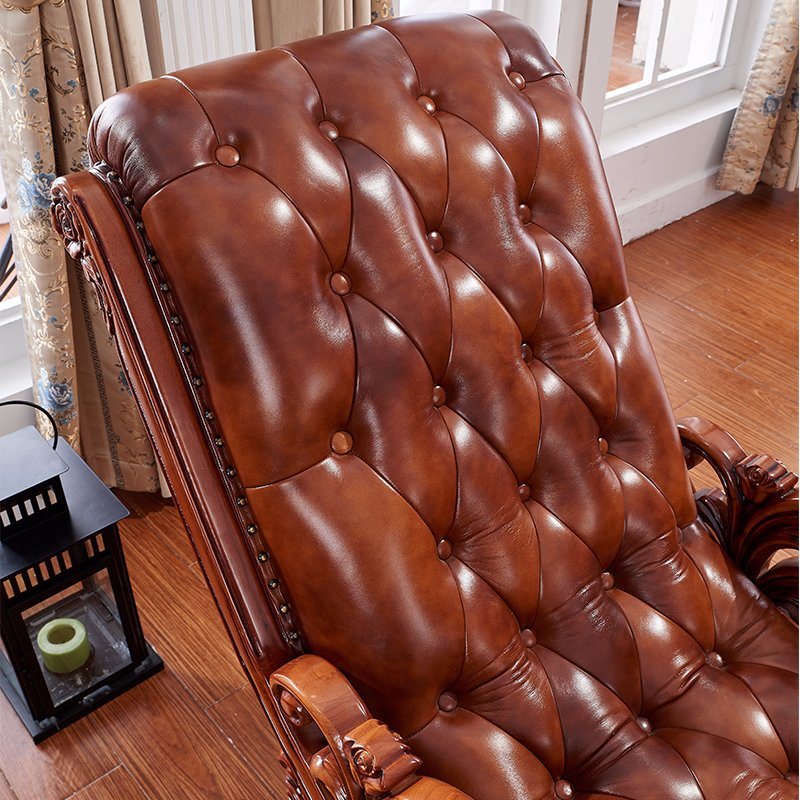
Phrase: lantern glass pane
[58,641]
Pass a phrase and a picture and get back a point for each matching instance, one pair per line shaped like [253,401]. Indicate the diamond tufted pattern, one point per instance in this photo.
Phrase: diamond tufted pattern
[395,260]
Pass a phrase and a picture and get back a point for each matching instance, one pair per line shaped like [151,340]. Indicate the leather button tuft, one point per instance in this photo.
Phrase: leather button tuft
[528,637]
[427,104]
[524,492]
[341,442]
[564,790]
[517,79]
[644,724]
[792,777]
[435,241]
[527,353]
[715,660]
[439,395]
[340,283]
[608,580]
[444,549]
[227,155]
[524,213]
[329,130]
[603,445]
[448,701]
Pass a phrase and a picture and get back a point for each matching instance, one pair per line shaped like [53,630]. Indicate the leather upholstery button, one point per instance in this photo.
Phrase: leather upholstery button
[528,637]
[564,790]
[227,155]
[596,316]
[608,580]
[340,283]
[603,445]
[341,442]
[715,660]
[444,549]
[525,213]
[329,130]
[435,241]
[524,492]
[427,104]
[792,777]
[448,701]
[517,80]
[439,395]
[644,724]
[527,353]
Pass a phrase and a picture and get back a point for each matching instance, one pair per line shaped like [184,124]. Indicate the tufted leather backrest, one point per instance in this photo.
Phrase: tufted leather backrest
[396,278]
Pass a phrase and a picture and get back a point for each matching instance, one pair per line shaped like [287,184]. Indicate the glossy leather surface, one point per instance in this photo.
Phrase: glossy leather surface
[395,259]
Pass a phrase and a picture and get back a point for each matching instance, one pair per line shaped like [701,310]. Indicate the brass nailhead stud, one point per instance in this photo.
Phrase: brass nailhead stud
[175,319]
[607,579]
[241,501]
[341,442]
[517,79]
[444,549]
[218,441]
[262,556]
[209,415]
[644,724]
[197,381]
[227,155]
[252,530]
[139,225]
[294,636]
[274,583]
[603,445]
[715,660]
[340,283]
[427,104]
[186,349]
[435,241]
[524,492]
[448,701]
[128,200]
[439,396]
[329,130]
[284,609]
[528,637]
[152,258]
[525,213]
[564,791]
[112,176]
[230,472]
[164,287]
[527,353]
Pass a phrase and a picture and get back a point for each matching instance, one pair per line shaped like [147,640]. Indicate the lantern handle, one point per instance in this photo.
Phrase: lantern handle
[38,408]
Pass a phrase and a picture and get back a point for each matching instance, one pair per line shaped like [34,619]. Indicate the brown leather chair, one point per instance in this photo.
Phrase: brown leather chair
[370,292]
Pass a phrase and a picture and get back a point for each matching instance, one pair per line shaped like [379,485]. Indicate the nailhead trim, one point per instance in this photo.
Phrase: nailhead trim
[283,618]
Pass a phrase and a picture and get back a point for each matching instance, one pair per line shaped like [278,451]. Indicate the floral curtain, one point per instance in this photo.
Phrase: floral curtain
[762,145]
[280,21]
[44,113]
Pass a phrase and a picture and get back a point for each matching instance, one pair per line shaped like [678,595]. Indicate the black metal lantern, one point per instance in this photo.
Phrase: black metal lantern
[70,632]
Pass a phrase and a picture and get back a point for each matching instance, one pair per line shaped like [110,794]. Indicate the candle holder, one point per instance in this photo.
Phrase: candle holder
[71,635]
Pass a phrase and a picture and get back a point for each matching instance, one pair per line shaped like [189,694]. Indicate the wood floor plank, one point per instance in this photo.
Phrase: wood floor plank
[179,615]
[778,372]
[168,745]
[241,719]
[6,792]
[57,767]
[118,784]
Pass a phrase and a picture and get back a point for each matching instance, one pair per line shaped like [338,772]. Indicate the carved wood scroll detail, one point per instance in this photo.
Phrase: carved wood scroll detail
[67,224]
[755,515]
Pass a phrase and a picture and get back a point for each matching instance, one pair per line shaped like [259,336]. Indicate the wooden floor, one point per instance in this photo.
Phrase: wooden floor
[718,292]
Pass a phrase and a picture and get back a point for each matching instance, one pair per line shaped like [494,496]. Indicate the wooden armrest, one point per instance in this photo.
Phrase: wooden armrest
[756,513]
[339,744]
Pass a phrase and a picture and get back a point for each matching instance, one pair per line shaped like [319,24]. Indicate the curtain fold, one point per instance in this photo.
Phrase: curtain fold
[45,105]
[278,22]
[762,145]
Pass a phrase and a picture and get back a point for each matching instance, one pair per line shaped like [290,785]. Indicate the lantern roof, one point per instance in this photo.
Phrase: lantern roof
[27,459]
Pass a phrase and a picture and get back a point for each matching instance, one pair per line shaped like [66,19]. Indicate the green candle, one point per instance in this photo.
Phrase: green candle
[64,645]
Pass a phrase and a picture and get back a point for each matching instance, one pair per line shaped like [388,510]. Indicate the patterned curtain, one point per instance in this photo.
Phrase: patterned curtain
[762,145]
[280,21]
[47,47]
